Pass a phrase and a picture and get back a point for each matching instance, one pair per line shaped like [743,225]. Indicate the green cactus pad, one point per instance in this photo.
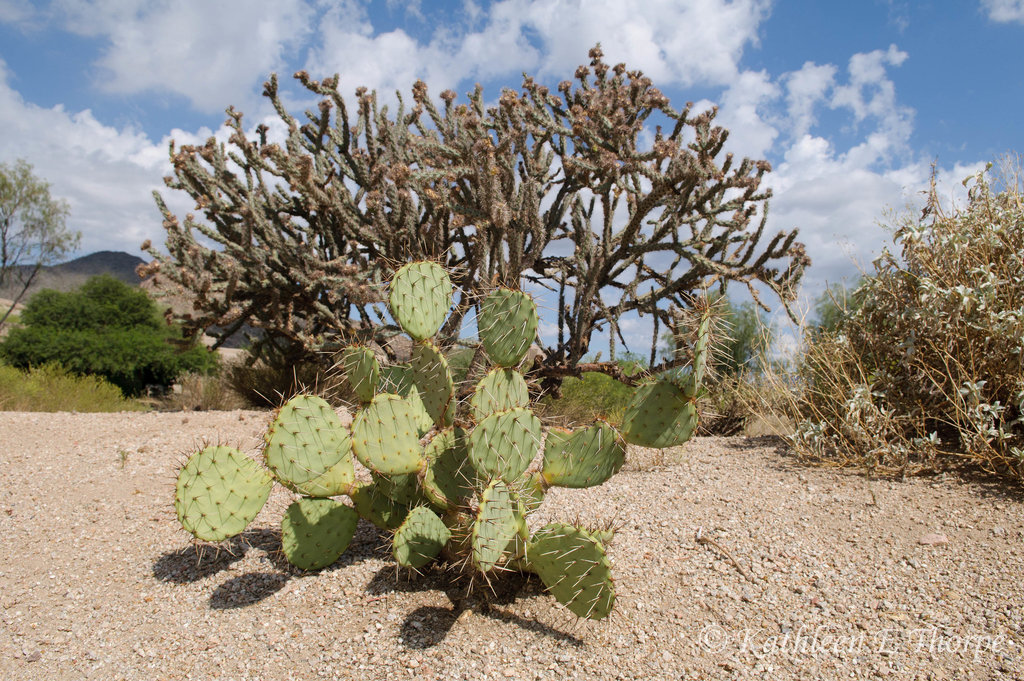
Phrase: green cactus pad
[375,506]
[556,438]
[586,458]
[315,532]
[495,526]
[337,480]
[433,380]
[385,436]
[508,325]
[530,491]
[659,415]
[305,442]
[504,444]
[604,535]
[448,481]
[688,385]
[421,295]
[423,421]
[402,489]
[420,538]
[574,568]
[499,390]
[219,492]
[397,379]
[516,549]
[361,371]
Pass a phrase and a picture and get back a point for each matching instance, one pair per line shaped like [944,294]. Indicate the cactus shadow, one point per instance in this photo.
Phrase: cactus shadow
[247,589]
[427,626]
[199,561]
[253,587]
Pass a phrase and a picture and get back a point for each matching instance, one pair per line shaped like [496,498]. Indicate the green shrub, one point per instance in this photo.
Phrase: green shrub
[107,329]
[51,388]
[592,396]
[930,362]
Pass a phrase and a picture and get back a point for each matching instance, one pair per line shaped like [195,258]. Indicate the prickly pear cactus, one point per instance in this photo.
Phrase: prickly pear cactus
[451,479]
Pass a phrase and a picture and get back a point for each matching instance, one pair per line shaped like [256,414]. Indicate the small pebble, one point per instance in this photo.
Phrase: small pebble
[933,539]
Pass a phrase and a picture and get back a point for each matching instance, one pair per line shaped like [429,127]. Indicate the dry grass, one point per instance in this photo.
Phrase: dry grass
[929,369]
[50,388]
[198,392]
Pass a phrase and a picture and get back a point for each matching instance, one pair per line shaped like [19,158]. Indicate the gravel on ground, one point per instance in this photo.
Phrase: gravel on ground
[731,560]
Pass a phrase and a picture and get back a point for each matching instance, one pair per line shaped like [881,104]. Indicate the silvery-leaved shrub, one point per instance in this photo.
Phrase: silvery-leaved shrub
[930,363]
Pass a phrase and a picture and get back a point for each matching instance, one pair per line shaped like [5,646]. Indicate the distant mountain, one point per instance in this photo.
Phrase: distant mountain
[116,263]
[72,274]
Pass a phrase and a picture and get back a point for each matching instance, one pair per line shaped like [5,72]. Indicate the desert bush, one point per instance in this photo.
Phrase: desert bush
[107,329]
[263,384]
[730,403]
[52,388]
[930,361]
[205,392]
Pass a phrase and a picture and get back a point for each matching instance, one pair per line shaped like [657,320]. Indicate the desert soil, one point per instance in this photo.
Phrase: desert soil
[849,577]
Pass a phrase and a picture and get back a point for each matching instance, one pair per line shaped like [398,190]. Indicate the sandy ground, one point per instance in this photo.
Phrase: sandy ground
[731,562]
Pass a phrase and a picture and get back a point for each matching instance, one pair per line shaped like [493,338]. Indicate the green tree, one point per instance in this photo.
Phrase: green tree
[106,328]
[836,303]
[32,229]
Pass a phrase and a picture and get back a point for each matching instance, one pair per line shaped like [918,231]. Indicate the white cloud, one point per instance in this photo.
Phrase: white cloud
[805,89]
[411,8]
[836,196]
[106,174]
[1004,11]
[674,43]
[216,53]
[751,130]
[16,11]
[212,53]
[840,203]
[871,94]
[386,62]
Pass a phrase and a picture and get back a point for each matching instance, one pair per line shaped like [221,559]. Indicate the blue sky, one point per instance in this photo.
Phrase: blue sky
[851,102]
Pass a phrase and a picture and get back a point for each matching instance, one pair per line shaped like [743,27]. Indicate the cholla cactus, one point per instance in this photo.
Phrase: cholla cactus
[453,480]
[573,189]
